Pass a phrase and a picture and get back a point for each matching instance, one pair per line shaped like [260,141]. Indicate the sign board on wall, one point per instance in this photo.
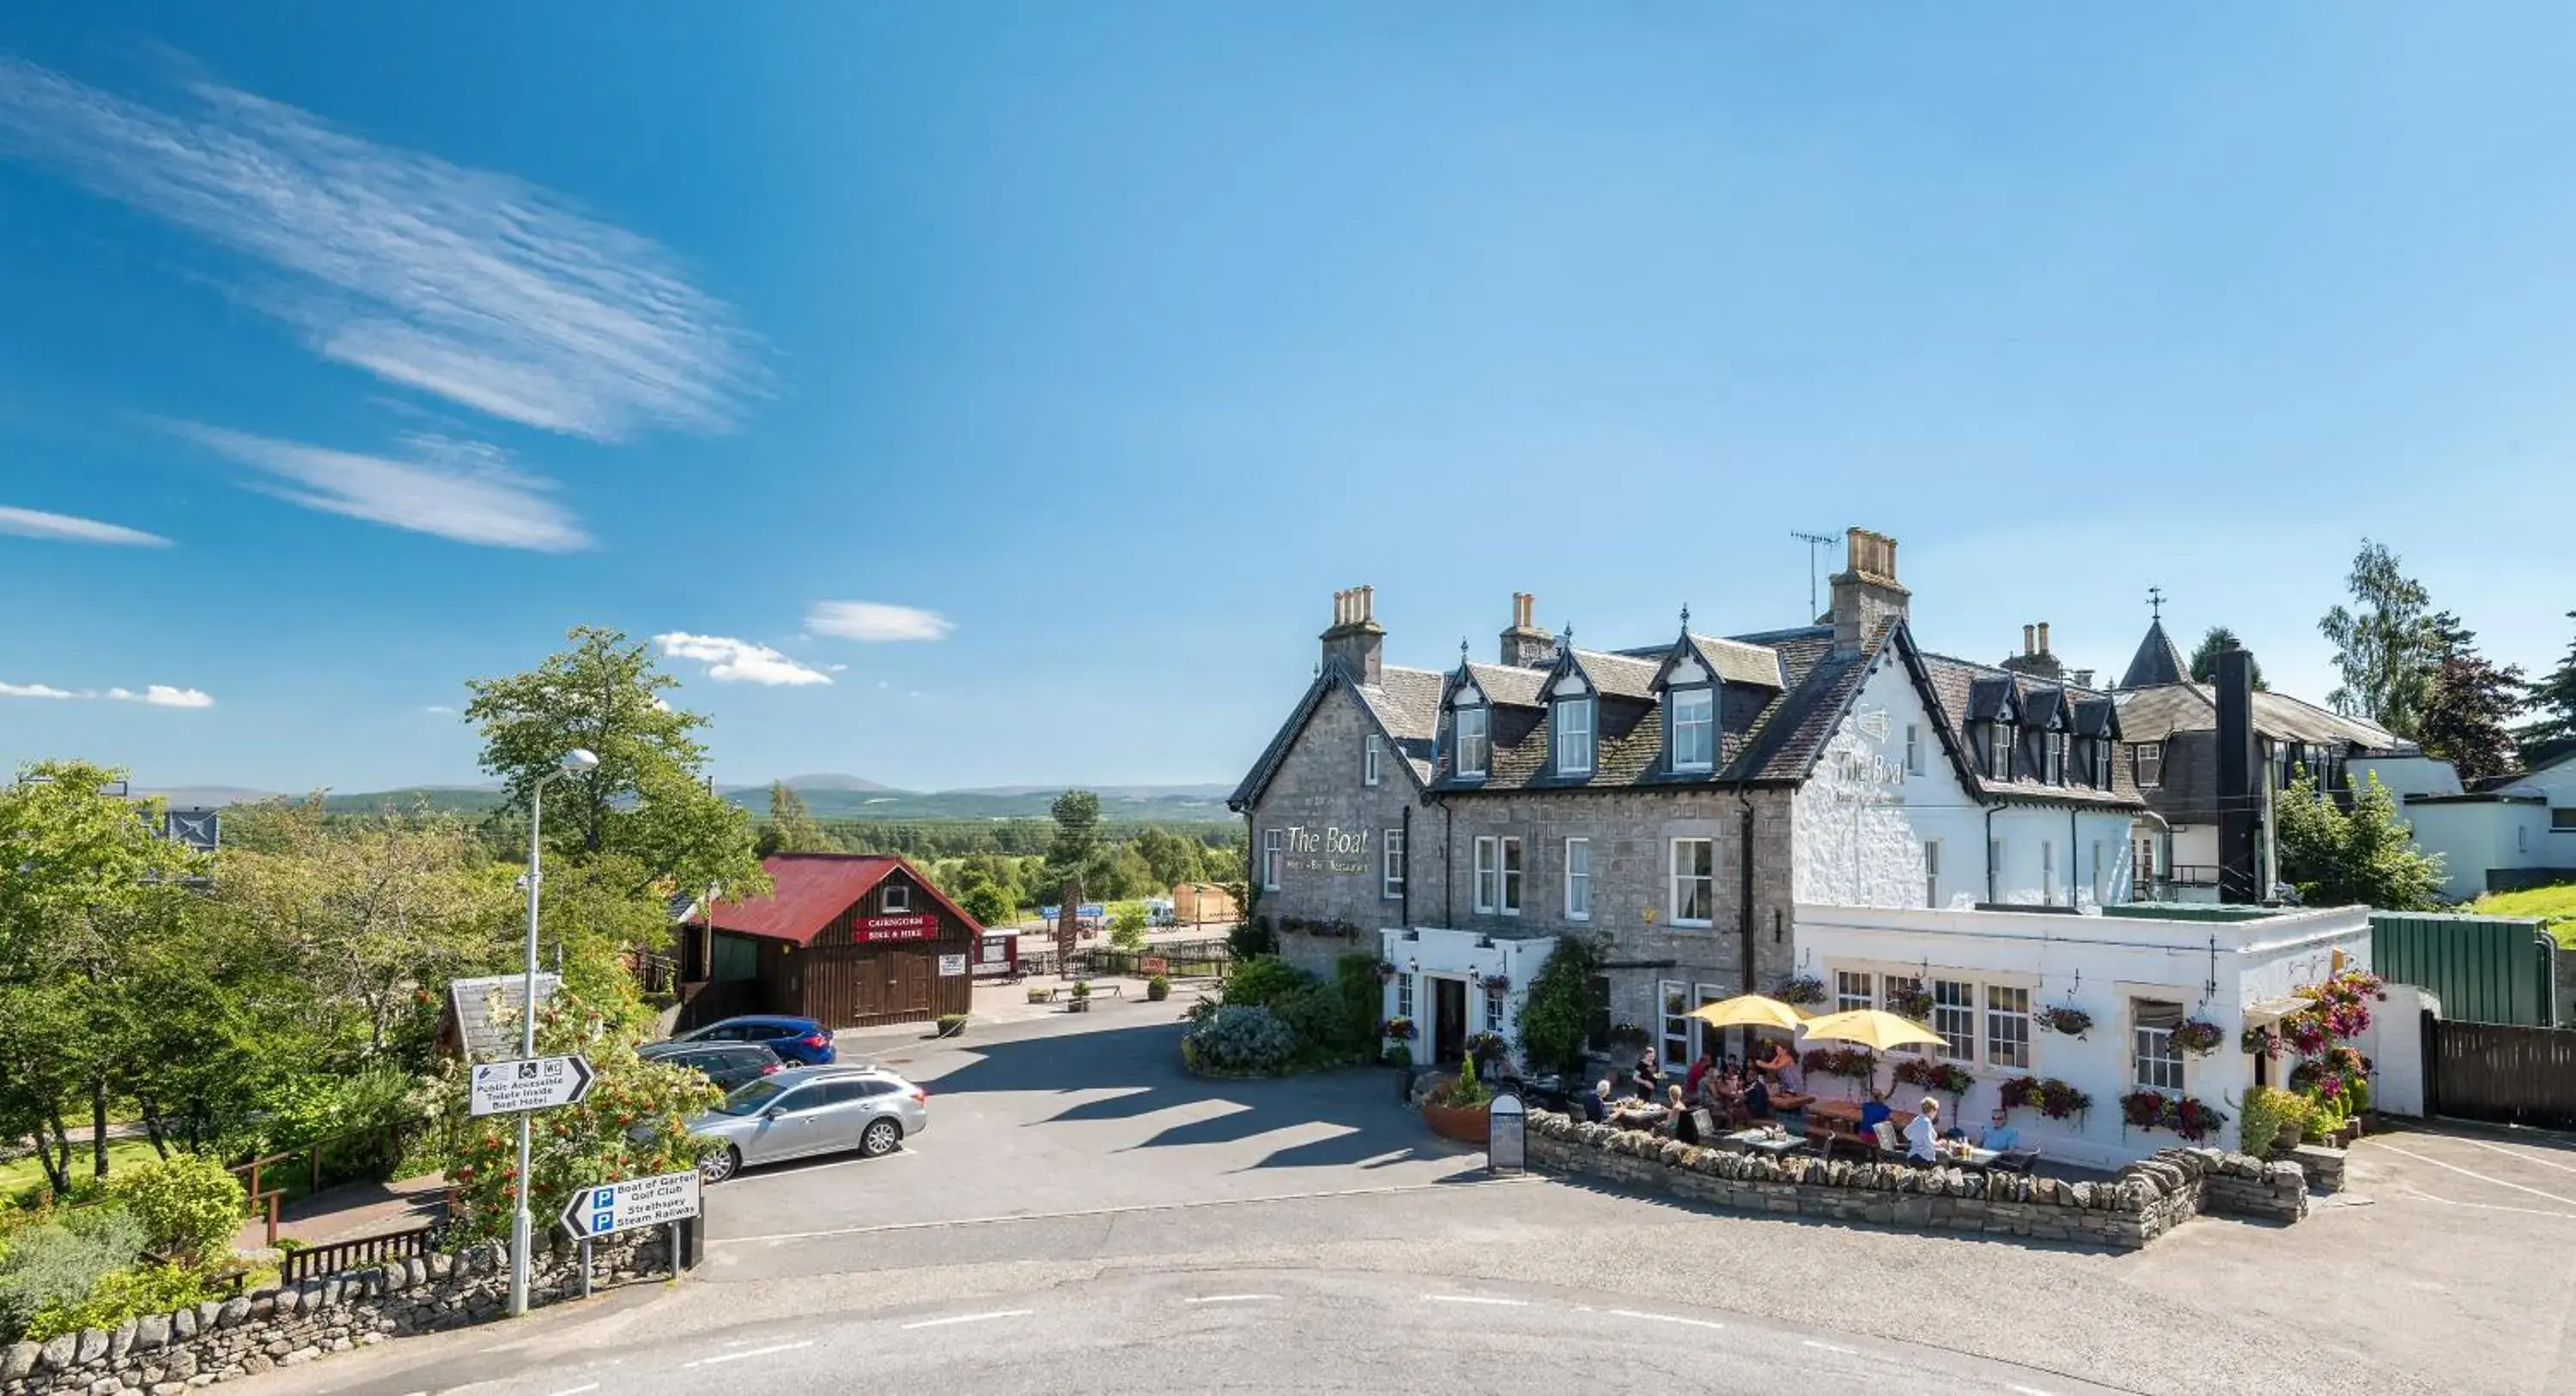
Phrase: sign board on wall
[993,954]
[1329,849]
[951,965]
[919,926]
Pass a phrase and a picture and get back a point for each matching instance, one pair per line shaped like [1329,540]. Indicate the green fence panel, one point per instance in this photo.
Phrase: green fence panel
[2484,969]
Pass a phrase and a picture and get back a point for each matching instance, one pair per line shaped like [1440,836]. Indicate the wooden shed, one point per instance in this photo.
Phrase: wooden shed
[850,940]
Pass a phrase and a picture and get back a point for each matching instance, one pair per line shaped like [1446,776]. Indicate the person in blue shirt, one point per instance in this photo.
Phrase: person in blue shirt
[1999,1135]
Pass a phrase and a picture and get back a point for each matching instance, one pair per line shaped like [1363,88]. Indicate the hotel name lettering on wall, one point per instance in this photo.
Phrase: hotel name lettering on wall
[1328,850]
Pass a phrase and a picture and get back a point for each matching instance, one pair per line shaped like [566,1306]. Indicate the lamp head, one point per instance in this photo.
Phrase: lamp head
[578,760]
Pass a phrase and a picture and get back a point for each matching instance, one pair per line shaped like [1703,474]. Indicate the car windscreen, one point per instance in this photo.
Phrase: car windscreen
[751,1097]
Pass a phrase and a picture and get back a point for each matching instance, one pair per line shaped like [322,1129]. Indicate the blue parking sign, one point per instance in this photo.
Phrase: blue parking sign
[603,1198]
[601,1223]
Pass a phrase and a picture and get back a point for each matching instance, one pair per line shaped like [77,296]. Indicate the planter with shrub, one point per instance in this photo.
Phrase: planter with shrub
[1158,988]
[1079,1000]
[1457,1108]
[1040,994]
[952,1024]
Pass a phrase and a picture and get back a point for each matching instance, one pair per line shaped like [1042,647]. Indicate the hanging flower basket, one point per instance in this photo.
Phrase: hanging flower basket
[2060,1101]
[1935,1076]
[1914,1003]
[1495,983]
[2067,1020]
[2198,1036]
[2259,1042]
[1385,971]
[1396,1030]
[2143,1109]
[1799,991]
[2018,1093]
[1855,1063]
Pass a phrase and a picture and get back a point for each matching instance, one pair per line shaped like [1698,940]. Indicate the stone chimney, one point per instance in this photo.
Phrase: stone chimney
[1356,640]
[1525,646]
[1865,591]
[2035,658]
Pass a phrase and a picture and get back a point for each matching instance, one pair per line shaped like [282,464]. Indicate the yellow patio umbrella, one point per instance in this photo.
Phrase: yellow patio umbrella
[1750,1011]
[1873,1028]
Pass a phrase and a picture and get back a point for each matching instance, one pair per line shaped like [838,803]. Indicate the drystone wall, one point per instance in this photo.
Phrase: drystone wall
[168,1354]
[2125,1212]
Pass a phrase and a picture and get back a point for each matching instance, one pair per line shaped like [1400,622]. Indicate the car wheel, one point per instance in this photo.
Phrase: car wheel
[720,1165]
[881,1138]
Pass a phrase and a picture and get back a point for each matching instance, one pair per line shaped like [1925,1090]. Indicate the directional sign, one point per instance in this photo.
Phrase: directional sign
[602,1208]
[534,1083]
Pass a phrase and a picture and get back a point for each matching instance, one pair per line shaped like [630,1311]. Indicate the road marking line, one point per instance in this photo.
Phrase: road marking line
[1228,1298]
[2489,1206]
[576,1390]
[1476,1299]
[1083,1212]
[968,1318]
[1667,1318]
[2481,1177]
[1831,1347]
[749,1352]
[2032,1391]
[2527,1158]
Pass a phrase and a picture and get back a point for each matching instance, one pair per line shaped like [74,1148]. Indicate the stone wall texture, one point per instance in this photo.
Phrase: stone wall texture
[168,1354]
[1318,792]
[2145,1200]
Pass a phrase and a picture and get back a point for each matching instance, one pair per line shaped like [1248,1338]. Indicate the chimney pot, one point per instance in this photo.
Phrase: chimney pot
[2028,647]
[2043,638]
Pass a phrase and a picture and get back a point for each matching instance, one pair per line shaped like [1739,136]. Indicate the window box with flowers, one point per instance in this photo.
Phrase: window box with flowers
[2051,1097]
[1931,1075]
[2185,1116]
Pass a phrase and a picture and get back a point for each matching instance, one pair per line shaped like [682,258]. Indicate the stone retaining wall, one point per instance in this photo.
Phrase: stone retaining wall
[2145,1200]
[168,1354]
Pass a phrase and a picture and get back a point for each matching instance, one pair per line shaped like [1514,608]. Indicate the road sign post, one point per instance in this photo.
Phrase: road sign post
[530,1083]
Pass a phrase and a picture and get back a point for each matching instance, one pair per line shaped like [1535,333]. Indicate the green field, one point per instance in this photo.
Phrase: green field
[19,1174]
[2556,904]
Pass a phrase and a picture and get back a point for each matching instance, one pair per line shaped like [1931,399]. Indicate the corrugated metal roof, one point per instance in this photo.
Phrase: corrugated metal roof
[811,890]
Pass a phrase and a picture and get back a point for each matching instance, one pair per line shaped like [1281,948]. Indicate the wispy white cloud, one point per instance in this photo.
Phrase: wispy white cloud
[876,620]
[729,660]
[465,490]
[36,523]
[159,695]
[471,285]
[441,709]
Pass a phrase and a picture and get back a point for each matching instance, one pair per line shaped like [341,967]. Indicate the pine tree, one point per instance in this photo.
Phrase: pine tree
[2468,703]
[2204,660]
[791,825]
[2553,706]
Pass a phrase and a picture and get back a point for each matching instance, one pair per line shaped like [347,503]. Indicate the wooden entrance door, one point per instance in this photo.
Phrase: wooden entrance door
[912,983]
[1448,1019]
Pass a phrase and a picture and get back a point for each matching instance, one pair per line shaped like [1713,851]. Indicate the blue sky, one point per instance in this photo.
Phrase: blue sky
[348,352]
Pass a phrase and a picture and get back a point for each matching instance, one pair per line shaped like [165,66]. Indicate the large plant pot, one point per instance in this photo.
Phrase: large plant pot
[1466,1126]
[1077,1005]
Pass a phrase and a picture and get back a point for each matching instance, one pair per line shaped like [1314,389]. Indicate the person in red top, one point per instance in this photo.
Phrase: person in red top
[1698,1070]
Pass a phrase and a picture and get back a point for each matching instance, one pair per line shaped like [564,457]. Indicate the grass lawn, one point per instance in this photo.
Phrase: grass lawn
[2557,904]
[19,1174]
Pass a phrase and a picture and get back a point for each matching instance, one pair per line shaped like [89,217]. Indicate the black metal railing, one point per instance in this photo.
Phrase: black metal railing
[1189,959]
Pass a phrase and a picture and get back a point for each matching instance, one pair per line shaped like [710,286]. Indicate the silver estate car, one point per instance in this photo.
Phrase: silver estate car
[811,1110]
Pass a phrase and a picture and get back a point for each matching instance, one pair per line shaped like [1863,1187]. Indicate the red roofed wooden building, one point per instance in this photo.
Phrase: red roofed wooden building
[848,939]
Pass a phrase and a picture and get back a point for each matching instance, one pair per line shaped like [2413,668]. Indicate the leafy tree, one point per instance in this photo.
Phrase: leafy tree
[1556,1020]
[2204,660]
[2468,704]
[190,1205]
[1171,859]
[2553,706]
[988,904]
[791,826]
[2365,857]
[2384,648]
[648,796]
[1127,926]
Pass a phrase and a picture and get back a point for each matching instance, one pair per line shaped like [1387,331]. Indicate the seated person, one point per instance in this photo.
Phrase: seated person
[1698,1072]
[1596,1106]
[1757,1100]
[1778,1062]
[1684,1128]
[1871,1113]
[1999,1135]
[1921,1135]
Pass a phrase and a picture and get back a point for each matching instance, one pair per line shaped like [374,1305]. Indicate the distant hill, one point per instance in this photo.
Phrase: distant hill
[207,796]
[827,796]
[440,799]
[1123,792]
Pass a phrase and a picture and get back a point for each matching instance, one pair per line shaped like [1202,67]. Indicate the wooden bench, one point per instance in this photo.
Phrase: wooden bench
[1113,989]
[1832,1122]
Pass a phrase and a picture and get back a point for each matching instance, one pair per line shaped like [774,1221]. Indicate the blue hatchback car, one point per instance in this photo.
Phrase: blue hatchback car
[794,1039]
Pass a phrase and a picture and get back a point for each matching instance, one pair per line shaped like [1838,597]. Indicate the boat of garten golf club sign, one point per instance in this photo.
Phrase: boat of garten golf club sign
[603,1208]
[1337,851]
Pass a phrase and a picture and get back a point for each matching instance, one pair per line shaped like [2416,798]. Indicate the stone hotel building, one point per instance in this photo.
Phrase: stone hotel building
[1677,799]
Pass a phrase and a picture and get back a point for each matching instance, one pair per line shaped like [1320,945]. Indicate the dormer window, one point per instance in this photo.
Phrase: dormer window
[2055,751]
[1573,725]
[1694,729]
[2102,763]
[1999,745]
[1474,742]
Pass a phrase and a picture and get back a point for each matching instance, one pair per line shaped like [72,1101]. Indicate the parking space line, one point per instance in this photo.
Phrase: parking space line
[1665,1318]
[2481,1177]
[968,1318]
[2527,1158]
[1228,1298]
[749,1352]
[2423,1196]
[575,1390]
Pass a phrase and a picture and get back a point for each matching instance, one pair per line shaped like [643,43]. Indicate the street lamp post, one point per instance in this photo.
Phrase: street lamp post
[574,761]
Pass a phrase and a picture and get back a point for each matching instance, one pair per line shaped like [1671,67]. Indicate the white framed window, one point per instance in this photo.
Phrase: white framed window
[1672,997]
[1694,729]
[1474,742]
[1511,880]
[2007,1027]
[1954,1016]
[1404,996]
[1694,881]
[1370,755]
[1932,872]
[894,898]
[1913,749]
[1391,869]
[1578,879]
[1999,745]
[2158,1063]
[2047,869]
[2056,758]
[1493,1010]
[1489,870]
[2102,763]
[2150,759]
[1270,858]
[1573,723]
[1854,989]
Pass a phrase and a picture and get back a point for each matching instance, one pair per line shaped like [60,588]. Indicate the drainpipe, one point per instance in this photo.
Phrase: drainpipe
[2072,853]
[1990,854]
[1448,865]
[1744,898]
[1404,889]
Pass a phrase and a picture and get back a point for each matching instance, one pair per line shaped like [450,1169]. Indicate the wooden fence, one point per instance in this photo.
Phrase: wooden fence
[2504,1074]
[308,1262]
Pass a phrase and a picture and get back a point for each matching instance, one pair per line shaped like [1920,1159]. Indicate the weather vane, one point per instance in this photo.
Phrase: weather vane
[2155,603]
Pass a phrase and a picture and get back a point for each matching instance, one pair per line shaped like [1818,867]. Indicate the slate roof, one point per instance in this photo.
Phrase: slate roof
[2157,661]
[2153,714]
[1509,685]
[1618,675]
[1957,685]
[1404,702]
[483,1013]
